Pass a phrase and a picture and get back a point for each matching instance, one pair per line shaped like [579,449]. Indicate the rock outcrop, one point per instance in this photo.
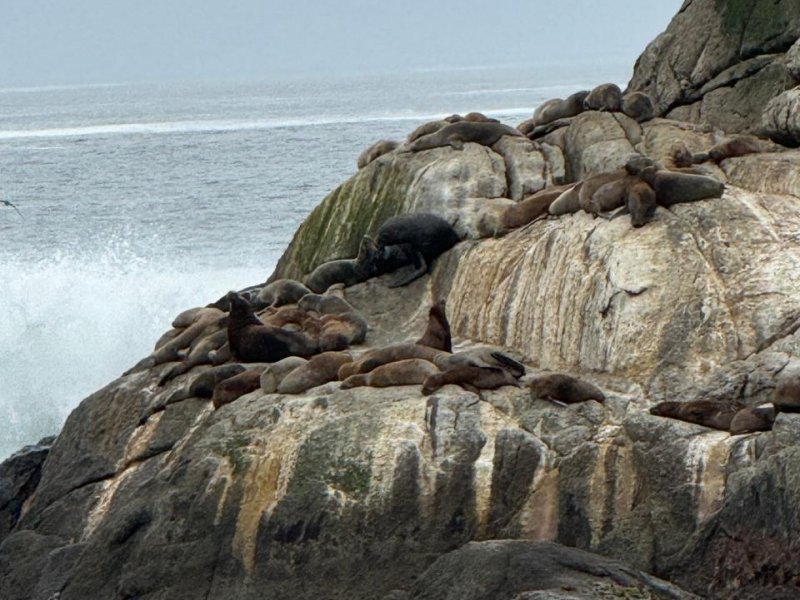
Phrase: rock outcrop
[363,493]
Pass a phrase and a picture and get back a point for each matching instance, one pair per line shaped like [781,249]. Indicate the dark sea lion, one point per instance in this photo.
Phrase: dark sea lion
[426,129]
[672,187]
[786,397]
[374,151]
[555,109]
[437,335]
[749,420]
[325,304]
[320,369]
[349,271]
[470,378]
[412,371]
[423,237]
[606,97]
[340,331]
[275,373]
[641,203]
[478,117]
[456,135]
[531,207]
[709,413]
[380,356]
[203,385]
[612,195]
[591,184]
[568,201]
[564,388]
[638,106]
[281,292]
[480,357]
[234,387]
[252,341]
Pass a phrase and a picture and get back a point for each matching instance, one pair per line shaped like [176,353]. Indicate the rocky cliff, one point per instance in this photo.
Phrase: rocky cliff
[385,493]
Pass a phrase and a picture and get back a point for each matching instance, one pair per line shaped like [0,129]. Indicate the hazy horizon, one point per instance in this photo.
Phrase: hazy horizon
[52,43]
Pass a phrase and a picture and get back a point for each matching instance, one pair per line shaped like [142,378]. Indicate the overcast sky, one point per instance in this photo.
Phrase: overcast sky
[46,42]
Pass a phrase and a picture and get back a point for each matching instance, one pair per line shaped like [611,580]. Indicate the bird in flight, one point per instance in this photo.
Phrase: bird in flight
[9,203]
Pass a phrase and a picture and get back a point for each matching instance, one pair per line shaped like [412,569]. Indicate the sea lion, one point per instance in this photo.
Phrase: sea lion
[470,378]
[203,385]
[320,369]
[348,271]
[709,413]
[423,237]
[325,304]
[275,373]
[340,331]
[281,292]
[292,318]
[234,387]
[612,195]
[641,203]
[557,108]
[605,97]
[199,354]
[567,202]
[426,129]
[187,317]
[786,397]
[374,151]
[412,371]
[480,357]
[167,336]
[560,387]
[437,335]
[380,356]
[532,207]
[457,134]
[252,341]
[527,126]
[672,187]
[749,420]
[454,118]
[638,106]
[591,184]
[478,117]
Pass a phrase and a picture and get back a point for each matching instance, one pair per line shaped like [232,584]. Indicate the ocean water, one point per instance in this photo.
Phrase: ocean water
[140,200]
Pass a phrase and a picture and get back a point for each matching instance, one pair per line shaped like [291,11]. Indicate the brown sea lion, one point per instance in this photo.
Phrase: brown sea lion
[478,117]
[786,397]
[638,106]
[167,336]
[380,356]
[470,378]
[641,203]
[422,236]
[374,151]
[606,97]
[234,387]
[437,335]
[709,413]
[673,187]
[203,385]
[531,207]
[612,195]
[412,371]
[320,369]
[591,184]
[749,420]
[275,373]
[426,129]
[348,271]
[480,357]
[325,304]
[252,341]
[560,387]
[187,317]
[340,331]
[199,354]
[456,135]
[557,108]
[527,126]
[281,292]
[568,201]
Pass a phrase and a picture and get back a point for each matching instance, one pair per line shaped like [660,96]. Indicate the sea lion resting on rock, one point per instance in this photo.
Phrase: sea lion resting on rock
[374,151]
[673,187]
[532,207]
[592,184]
[275,373]
[456,135]
[376,357]
[606,96]
[252,341]
[568,202]
[321,369]
[200,353]
[340,331]
[234,387]
[555,109]
[281,292]
[423,237]
[480,357]
[437,334]
[559,387]
[641,203]
[470,378]
[411,371]
[740,145]
[348,271]
[709,413]
[325,304]
[638,106]
[749,420]
[426,129]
